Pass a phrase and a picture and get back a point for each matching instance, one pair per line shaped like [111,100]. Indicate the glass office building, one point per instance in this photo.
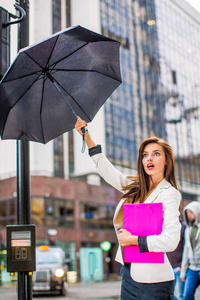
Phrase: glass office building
[160,42]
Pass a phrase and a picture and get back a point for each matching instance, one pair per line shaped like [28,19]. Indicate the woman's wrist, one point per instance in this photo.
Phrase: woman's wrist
[90,143]
[134,240]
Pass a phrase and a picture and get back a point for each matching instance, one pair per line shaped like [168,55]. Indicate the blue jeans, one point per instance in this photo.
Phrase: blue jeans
[132,290]
[179,284]
[192,281]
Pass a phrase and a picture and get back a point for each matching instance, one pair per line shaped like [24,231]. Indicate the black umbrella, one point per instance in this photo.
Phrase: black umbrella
[71,73]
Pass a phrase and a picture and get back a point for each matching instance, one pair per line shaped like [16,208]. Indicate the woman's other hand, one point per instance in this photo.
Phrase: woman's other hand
[126,238]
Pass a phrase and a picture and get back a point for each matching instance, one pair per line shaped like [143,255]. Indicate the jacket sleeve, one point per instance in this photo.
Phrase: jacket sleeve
[185,258]
[168,240]
[109,173]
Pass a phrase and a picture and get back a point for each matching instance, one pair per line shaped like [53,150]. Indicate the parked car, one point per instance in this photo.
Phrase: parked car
[51,271]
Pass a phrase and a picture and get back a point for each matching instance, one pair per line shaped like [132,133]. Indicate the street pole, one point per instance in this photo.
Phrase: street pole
[23,169]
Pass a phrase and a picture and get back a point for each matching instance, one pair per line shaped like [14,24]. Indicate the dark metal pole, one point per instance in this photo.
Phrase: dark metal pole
[23,170]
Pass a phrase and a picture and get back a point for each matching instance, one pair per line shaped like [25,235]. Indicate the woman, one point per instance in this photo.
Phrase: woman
[155,182]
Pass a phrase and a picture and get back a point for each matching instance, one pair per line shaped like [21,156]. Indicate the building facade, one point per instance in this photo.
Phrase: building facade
[158,96]
[160,89]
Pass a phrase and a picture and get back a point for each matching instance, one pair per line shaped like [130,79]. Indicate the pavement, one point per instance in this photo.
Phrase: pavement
[105,290]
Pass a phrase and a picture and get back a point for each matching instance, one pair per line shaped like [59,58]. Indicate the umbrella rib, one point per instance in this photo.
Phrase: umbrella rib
[23,76]
[41,108]
[55,63]
[56,84]
[27,90]
[34,61]
[51,55]
[48,58]
[52,50]
[18,101]
[89,71]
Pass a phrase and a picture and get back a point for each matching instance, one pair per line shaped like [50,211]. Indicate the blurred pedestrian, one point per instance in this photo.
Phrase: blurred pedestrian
[155,182]
[175,259]
[190,266]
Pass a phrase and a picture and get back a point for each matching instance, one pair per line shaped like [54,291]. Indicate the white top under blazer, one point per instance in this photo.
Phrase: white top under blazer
[167,241]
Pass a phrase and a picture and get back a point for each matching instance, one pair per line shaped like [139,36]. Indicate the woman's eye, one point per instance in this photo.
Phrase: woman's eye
[144,155]
[157,154]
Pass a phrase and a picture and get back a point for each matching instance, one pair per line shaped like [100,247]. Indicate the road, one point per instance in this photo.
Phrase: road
[108,290]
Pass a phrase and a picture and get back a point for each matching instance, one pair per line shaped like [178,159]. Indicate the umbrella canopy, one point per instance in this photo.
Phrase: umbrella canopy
[71,73]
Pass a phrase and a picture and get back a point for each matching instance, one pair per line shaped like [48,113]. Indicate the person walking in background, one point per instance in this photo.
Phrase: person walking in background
[175,259]
[155,182]
[190,266]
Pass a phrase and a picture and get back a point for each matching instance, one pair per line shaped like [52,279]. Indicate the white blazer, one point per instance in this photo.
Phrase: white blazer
[167,241]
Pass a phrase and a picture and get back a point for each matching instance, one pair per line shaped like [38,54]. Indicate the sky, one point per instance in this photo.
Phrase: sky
[195,4]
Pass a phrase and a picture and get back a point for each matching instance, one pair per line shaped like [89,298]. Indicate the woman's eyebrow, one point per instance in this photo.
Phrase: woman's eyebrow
[157,150]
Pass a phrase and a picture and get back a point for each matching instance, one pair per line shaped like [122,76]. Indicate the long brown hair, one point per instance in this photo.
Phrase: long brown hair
[141,183]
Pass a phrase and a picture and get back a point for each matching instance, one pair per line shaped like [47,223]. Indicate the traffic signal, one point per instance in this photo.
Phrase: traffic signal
[105,246]
[4,42]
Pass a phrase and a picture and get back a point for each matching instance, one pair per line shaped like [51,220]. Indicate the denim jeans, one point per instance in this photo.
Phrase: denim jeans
[132,290]
[178,284]
[192,281]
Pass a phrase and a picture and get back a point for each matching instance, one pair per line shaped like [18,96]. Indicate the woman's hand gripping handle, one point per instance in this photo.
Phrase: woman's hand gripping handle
[81,126]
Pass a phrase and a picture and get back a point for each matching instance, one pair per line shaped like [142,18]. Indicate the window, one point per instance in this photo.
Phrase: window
[8,212]
[56,10]
[59,212]
[71,152]
[96,216]
[37,210]
[58,157]
[174,81]
[68,12]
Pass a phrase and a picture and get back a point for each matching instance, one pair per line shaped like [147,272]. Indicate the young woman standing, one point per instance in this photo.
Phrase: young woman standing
[155,182]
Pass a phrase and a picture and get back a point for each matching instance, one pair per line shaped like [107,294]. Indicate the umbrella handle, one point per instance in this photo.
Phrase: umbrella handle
[84,131]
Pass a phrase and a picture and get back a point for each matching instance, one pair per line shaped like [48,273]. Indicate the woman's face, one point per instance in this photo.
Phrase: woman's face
[154,161]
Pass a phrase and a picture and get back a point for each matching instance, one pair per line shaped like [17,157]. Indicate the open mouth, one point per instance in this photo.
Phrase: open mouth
[150,166]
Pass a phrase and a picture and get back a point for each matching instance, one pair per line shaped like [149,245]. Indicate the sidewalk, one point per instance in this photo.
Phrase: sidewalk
[105,290]
[95,290]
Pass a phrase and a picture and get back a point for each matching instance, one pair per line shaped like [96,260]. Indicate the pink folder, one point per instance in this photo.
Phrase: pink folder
[143,219]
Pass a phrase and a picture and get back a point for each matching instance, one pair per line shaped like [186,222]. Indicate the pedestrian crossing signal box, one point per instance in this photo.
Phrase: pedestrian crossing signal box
[21,248]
